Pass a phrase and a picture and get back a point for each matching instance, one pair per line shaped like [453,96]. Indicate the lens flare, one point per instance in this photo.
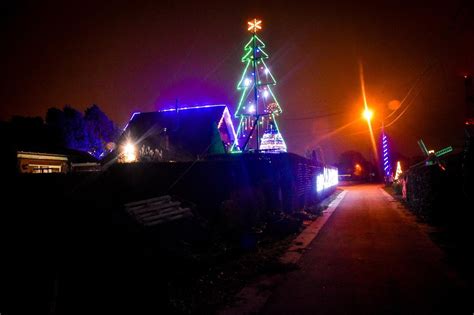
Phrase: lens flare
[368,114]
[367,111]
[129,153]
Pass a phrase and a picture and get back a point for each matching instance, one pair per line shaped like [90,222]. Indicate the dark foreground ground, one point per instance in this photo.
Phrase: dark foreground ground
[372,257]
[68,247]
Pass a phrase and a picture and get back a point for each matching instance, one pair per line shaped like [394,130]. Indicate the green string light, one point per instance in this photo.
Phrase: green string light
[256,77]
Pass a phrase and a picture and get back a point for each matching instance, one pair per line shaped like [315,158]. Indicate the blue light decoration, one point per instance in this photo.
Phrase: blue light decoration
[131,118]
[387,169]
[258,107]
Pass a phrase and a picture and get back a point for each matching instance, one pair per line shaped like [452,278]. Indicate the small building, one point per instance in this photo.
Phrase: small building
[55,161]
[178,134]
[38,163]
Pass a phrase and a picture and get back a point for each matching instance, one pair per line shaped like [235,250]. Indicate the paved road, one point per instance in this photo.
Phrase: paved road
[371,257]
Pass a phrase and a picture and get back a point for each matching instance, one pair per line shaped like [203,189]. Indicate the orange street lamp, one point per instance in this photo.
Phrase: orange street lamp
[368,114]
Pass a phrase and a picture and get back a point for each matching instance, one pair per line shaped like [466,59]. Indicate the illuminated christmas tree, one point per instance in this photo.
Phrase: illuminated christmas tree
[258,107]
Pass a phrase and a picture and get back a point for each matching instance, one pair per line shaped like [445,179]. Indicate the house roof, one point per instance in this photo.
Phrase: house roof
[189,130]
[72,155]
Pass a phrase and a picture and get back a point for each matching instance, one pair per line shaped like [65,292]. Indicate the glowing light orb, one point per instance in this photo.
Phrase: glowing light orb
[368,114]
[129,153]
[394,104]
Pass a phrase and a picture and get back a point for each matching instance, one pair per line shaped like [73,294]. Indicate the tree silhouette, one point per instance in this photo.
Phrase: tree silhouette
[89,132]
[99,129]
[354,163]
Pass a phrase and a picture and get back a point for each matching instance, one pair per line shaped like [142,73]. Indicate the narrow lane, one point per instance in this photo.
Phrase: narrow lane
[371,257]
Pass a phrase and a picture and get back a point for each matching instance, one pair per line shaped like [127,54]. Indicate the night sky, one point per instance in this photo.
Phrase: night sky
[142,56]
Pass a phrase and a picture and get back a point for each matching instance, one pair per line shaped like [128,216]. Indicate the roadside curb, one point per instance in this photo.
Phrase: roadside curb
[253,297]
[295,251]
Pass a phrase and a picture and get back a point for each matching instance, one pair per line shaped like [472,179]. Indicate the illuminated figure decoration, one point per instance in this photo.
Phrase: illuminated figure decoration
[398,172]
[387,169]
[258,107]
[272,140]
[432,157]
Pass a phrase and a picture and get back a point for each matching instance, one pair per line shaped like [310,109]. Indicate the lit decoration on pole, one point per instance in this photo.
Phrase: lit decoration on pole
[258,107]
[398,172]
[387,169]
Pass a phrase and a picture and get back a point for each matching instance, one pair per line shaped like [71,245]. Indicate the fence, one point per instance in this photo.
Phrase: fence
[284,182]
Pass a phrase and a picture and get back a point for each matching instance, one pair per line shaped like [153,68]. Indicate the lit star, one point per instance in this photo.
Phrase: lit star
[254,25]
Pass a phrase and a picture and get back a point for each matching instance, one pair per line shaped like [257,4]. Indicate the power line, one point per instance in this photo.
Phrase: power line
[450,28]
[314,116]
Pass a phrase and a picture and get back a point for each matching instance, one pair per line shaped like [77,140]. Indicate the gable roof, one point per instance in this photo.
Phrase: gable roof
[190,130]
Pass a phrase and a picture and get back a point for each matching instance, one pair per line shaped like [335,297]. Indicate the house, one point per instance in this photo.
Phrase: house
[39,162]
[178,134]
[55,161]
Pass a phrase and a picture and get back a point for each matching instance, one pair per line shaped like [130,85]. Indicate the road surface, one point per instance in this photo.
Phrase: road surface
[371,257]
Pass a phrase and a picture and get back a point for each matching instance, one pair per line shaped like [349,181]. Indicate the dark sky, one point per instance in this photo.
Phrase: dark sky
[141,56]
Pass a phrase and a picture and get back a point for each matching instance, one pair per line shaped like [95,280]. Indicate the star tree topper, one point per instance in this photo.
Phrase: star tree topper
[254,25]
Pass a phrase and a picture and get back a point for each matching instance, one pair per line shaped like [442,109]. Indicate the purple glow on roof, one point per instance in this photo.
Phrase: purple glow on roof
[191,91]
[190,107]
[225,116]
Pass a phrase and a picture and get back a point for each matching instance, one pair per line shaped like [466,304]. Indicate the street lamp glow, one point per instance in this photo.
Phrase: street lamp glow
[368,114]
